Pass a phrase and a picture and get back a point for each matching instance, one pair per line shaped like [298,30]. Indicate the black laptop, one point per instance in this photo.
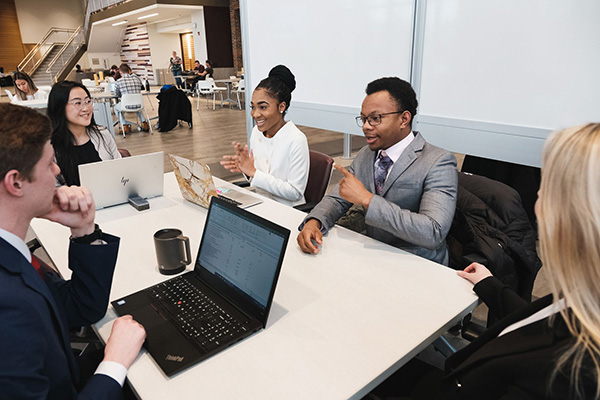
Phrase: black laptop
[225,299]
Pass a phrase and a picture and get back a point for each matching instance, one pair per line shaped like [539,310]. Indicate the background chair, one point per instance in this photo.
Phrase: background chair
[133,102]
[319,175]
[205,88]
[240,88]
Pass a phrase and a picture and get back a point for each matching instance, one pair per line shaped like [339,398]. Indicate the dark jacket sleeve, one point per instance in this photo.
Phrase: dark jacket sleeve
[500,298]
[85,296]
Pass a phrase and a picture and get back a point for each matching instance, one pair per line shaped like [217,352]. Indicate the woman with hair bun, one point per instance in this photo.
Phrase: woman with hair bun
[278,161]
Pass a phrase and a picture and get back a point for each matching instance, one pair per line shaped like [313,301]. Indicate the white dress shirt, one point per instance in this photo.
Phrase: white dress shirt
[395,151]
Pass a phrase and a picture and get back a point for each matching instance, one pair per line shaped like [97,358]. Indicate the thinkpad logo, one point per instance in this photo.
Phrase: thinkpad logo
[174,358]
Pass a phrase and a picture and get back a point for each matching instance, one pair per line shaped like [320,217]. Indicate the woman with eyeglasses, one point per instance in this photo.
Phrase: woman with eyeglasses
[26,89]
[278,161]
[75,136]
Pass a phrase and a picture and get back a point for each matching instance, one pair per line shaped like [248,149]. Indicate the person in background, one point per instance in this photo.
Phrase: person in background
[115,72]
[406,185]
[209,69]
[2,72]
[200,73]
[78,69]
[26,89]
[132,84]
[278,162]
[37,306]
[175,63]
[75,136]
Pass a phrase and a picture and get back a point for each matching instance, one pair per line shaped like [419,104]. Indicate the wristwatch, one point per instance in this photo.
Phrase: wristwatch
[89,239]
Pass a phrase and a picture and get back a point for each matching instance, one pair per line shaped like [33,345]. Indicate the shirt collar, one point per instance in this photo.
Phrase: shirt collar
[16,242]
[395,151]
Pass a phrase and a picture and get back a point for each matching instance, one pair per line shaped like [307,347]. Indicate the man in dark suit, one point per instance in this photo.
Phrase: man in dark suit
[406,185]
[37,307]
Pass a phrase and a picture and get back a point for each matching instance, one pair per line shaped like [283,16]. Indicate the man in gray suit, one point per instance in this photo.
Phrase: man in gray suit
[406,185]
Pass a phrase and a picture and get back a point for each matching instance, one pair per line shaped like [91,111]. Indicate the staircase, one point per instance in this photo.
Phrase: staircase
[54,56]
[40,76]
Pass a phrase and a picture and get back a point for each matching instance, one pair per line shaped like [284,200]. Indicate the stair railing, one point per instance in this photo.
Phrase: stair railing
[36,56]
[73,43]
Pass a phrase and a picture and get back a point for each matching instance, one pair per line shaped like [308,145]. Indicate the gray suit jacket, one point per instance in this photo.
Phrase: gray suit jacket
[416,207]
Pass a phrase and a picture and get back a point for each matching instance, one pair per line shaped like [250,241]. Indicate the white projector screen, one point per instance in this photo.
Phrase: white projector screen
[334,48]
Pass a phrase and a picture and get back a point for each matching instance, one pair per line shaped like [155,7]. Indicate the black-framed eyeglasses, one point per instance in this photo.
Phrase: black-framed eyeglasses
[374,119]
[79,104]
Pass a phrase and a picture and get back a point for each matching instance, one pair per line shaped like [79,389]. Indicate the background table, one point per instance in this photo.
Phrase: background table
[341,322]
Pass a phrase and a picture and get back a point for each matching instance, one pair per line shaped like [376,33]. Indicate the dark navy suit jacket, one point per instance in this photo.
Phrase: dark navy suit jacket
[36,361]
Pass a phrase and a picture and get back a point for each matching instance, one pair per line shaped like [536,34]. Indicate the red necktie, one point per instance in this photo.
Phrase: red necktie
[36,265]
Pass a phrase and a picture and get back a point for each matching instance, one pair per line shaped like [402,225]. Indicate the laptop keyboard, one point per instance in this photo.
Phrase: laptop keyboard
[227,199]
[197,315]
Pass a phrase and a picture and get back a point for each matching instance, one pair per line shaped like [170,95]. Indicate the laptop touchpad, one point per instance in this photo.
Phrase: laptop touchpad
[148,317]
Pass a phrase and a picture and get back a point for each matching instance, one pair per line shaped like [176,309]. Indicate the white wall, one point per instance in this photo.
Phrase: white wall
[162,46]
[37,17]
[107,59]
[199,31]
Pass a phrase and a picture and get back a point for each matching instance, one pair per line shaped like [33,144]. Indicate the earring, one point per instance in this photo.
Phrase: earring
[281,112]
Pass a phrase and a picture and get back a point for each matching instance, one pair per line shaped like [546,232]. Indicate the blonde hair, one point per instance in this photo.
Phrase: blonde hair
[569,229]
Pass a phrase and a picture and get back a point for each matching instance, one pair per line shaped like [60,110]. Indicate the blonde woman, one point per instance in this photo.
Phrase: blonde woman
[551,347]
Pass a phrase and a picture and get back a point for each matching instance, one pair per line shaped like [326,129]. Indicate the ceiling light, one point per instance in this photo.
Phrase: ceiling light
[119,23]
[147,16]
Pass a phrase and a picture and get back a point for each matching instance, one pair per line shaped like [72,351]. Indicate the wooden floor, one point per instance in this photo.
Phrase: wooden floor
[210,137]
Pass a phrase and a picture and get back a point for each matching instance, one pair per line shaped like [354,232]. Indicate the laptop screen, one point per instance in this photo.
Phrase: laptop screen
[240,256]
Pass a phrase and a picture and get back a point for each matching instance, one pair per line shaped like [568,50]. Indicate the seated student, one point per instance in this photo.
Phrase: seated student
[406,185]
[278,162]
[548,349]
[208,71]
[37,307]
[115,72]
[75,136]
[132,84]
[26,89]
[200,73]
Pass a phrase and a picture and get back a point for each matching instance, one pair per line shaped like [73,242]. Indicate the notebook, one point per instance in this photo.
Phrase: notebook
[226,298]
[197,185]
[112,182]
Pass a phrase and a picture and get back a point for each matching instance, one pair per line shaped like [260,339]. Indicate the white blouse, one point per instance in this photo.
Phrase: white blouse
[282,163]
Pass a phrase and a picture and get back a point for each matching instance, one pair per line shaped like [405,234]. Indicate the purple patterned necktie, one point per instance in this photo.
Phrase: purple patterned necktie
[381,171]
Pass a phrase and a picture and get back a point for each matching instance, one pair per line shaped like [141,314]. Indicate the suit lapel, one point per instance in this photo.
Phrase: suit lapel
[536,335]
[13,261]
[408,156]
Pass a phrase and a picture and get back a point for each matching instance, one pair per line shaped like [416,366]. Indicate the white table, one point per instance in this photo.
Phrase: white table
[41,103]
[228,82]
[342,321]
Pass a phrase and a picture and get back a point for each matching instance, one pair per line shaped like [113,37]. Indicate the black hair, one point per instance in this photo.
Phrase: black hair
[114,67]
[2,69]
[280,84]
[400,90]
[62,139]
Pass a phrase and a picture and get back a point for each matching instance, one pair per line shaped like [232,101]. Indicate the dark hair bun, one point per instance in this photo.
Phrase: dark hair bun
[282,72]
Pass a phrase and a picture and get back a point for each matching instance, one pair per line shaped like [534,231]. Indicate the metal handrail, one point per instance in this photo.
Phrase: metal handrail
[63,49]
[38,48]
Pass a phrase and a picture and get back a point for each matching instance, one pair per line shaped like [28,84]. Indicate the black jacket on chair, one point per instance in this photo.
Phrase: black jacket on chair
[518,364]
[173,106]
[491,222]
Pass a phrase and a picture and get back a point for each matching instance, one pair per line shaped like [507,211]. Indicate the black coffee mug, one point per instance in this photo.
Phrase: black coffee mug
[172,251]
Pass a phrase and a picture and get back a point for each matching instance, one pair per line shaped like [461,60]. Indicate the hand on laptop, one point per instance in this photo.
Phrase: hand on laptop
[125,341]
[73,207]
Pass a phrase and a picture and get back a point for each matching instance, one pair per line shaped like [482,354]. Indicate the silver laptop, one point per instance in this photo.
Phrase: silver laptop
[113,182]
[197,185]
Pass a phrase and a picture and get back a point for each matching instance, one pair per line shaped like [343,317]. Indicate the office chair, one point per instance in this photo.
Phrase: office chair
[133,102]
[124,153]
[491,227]
[319,175]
